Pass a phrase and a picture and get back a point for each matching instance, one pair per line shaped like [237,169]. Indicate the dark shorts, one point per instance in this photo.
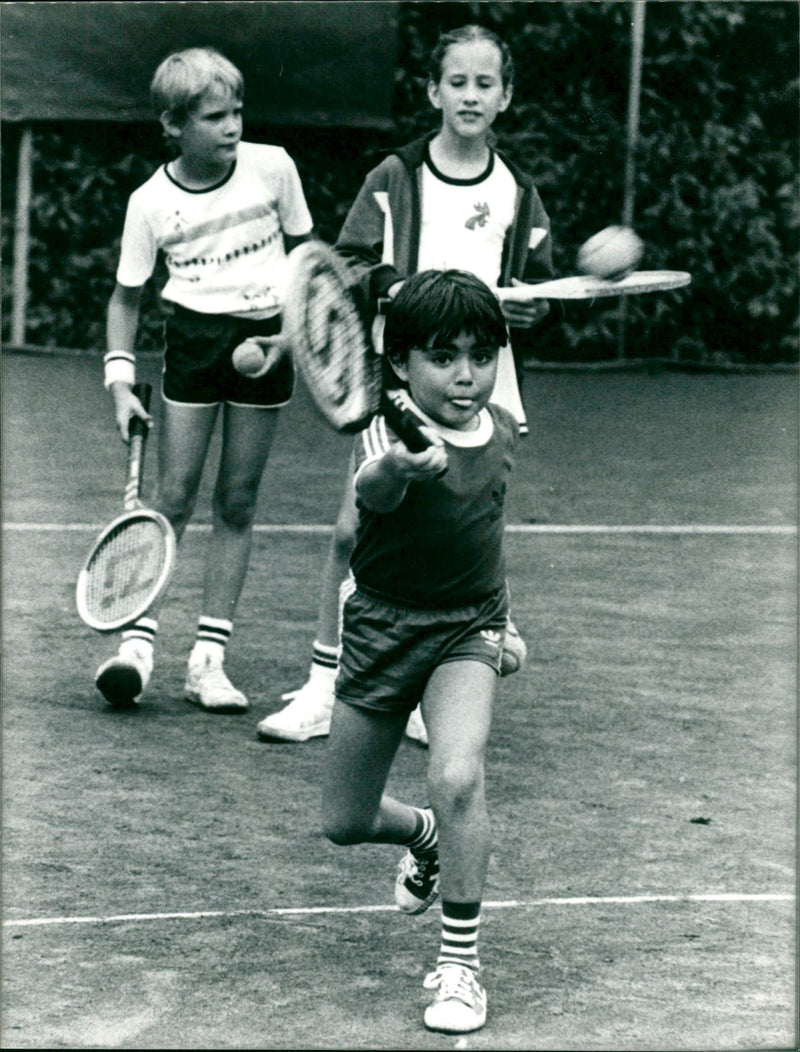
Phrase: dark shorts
[197,361]
[389,652]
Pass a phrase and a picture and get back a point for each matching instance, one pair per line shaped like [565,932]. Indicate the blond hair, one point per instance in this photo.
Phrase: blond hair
[184,77]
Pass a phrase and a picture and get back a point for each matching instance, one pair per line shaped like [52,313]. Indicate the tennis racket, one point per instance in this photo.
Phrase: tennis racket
[585,287]
[343,372]
[131,561]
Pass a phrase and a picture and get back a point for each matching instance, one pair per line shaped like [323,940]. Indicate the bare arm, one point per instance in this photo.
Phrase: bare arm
[382,484]
[122,322]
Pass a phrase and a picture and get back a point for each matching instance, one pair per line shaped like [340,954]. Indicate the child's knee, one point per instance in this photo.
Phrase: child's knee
[235,509]
[344,831]
[455,785]
[176,501]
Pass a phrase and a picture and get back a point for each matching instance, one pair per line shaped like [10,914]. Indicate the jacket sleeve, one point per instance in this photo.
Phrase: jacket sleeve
[361,240]
[538,262]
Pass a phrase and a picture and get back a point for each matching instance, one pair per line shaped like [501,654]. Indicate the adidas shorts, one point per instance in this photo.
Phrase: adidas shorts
[389,652]
[197,361]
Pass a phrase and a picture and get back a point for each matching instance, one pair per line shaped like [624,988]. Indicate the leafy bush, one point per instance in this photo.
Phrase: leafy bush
[716,189]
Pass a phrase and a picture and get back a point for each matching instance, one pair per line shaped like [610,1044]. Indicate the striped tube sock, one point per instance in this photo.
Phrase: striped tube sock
[424,840]
[460,923]
[141,631]
[212,637]
[324,661]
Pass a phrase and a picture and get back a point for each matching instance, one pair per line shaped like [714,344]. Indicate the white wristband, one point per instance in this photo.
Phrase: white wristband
[119,366]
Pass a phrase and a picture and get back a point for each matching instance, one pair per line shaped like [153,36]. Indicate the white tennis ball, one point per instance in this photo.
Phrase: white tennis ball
[248,358]
[612,253]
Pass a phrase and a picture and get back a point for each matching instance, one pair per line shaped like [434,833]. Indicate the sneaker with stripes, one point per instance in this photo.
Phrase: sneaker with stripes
[417,882]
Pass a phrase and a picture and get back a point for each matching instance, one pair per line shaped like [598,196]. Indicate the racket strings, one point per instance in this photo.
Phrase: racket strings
[125,568]
[337,352]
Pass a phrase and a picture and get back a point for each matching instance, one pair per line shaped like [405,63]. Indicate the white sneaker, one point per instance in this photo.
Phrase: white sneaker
[208,686]
[417,884]
[460,1002]
[123,677]
[514,651]
[415,728]
[308,714]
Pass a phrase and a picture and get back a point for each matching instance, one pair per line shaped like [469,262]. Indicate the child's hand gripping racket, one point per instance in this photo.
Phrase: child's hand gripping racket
[341,369]
[131,561]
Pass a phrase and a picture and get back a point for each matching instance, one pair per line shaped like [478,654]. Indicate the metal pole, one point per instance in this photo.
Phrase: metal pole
[19,287]
[634,95]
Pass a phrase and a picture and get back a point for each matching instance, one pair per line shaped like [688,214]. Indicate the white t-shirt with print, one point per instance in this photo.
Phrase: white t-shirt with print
[464,222]
[223,246]
[464,225]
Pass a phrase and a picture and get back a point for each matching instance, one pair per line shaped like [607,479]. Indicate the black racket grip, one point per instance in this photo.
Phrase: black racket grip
[406,426]
[137,425]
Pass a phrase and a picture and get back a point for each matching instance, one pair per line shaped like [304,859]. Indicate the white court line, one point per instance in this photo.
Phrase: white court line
[307,911]
[688,528]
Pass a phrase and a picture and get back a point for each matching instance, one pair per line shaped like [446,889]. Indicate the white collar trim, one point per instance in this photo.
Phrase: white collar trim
[463,439]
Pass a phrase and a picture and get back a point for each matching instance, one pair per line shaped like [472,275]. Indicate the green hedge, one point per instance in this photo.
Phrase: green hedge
[716,185]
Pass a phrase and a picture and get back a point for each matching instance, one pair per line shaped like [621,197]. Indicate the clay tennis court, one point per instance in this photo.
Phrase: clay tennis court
[165,884]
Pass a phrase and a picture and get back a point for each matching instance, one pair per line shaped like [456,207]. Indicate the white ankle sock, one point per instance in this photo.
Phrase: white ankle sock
[213,634]
[140,637]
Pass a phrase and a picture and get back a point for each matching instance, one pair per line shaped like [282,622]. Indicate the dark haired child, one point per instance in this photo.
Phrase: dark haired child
[424,620]
[450,199]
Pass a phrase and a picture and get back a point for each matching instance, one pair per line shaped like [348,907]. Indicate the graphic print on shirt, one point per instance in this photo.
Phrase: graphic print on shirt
[482,214]
[223,247]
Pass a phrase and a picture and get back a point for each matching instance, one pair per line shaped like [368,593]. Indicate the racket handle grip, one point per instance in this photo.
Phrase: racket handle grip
[406,426]
[137,425]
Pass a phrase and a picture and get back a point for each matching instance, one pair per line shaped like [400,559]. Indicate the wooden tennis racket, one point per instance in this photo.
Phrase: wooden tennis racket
[130,563]
[585,287]
[342,370]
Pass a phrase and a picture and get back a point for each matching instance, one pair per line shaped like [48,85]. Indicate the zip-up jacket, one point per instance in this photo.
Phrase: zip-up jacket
[380,236]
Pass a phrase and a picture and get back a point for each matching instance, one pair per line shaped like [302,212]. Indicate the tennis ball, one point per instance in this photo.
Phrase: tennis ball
[612,253]
[249,359]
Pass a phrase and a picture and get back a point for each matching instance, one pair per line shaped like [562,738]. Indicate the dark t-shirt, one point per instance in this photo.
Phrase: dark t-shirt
[443,545]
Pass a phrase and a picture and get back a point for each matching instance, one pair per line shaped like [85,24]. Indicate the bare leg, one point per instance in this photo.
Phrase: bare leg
[458,708]
[359,754]
[185,436]
[308,714]
[337,564]
[247,438]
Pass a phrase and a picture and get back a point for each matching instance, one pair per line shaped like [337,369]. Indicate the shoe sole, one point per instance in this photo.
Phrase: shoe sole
[120,686]
[422,905]
[317,731]
[417,909]
[453,1030]
[220,710]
